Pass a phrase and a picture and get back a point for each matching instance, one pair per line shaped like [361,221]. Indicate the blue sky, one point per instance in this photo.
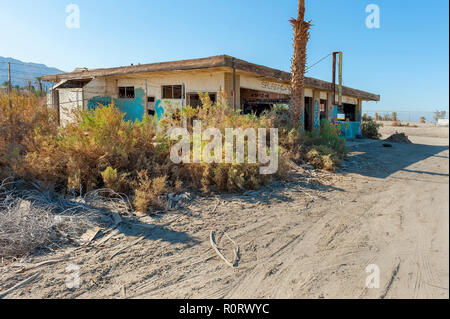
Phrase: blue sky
[406,60]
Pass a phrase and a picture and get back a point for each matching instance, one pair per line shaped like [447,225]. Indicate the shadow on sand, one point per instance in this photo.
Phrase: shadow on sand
[374,160]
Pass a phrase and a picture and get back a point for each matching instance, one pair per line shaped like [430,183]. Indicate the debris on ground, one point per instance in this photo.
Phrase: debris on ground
[20,284]
[33,219]
[399,138]
[236,250]
[175,201]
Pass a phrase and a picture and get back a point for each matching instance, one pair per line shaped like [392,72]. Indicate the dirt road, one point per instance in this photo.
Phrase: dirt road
[310,238]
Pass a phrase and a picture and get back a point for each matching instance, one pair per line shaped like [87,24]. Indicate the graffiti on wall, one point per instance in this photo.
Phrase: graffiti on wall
[99,100]
[316,114]
[132,108]
[159,110]
[278,87]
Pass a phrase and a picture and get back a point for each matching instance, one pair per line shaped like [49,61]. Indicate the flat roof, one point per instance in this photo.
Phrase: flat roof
[220,61]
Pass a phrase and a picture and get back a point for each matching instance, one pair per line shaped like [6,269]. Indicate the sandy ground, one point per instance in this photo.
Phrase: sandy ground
[312,237]
[422,130]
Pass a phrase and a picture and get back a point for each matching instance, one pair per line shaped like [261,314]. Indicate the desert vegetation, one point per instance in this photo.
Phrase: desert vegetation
[370,128]
[100,150]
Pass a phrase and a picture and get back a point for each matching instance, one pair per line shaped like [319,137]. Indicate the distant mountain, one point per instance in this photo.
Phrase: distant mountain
[22,72]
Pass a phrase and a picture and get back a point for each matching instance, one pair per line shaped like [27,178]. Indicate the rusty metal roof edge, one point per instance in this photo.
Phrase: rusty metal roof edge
[207,63]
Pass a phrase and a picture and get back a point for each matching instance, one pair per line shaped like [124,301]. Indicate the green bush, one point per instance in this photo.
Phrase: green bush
[326,148]
[370,128]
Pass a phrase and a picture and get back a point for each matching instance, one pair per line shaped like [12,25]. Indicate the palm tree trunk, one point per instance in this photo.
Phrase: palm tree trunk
[301,37]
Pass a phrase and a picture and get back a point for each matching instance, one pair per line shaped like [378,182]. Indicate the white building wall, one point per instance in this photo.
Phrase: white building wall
[70,100]
[99,87]
[193,82]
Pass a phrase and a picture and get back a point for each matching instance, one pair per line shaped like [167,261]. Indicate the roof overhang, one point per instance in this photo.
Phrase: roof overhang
[221,61]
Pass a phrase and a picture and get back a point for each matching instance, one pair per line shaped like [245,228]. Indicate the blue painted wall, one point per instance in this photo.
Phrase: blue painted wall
[159,110]
[316,114]
[132,108]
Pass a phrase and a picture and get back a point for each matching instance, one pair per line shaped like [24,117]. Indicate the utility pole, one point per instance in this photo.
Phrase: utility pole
[9,85]
[11,117]
[334,79]
[335,54]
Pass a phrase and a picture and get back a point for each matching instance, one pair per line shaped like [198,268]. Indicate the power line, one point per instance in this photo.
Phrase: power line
[313,65]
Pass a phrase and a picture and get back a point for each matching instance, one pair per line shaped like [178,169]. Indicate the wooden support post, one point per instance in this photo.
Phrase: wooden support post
[334,79]
[234,86]
[55,103]
[340,77]
[9,85]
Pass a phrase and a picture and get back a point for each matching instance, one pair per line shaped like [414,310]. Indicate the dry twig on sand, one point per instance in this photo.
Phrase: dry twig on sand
[20,284]
[235,250]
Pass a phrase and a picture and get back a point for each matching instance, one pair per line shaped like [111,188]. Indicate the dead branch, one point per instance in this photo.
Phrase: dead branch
[20,284]
[216,249]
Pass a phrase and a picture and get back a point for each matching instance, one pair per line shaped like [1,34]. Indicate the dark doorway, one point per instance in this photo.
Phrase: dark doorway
[309,114]
[350,112]
[193,99]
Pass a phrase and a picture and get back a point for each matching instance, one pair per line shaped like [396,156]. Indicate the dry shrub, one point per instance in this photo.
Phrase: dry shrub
[323,157]
[100,149]
[28,116]
[115,181]
[36,219]
[324,147]
[24,228]
[148,193]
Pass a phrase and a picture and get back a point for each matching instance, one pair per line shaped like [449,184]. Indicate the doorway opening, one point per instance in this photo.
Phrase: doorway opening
[193,99]
[309,114]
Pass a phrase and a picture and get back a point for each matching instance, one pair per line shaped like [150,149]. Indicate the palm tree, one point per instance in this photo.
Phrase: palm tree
[301,37]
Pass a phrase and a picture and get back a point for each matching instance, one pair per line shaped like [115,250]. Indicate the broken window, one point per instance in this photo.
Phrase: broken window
[126,92]
[172,92]
[323,109]
[348,111]
[151,105]
[193,99]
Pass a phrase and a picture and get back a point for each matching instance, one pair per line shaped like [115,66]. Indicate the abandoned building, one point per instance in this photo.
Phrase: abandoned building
[140,89]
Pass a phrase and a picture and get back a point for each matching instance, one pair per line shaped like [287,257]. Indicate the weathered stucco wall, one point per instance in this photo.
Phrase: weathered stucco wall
[194,82]
[70,100]
[105,91]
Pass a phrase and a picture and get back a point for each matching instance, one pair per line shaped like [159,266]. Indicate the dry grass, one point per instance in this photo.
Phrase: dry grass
[101,150]
[35,218]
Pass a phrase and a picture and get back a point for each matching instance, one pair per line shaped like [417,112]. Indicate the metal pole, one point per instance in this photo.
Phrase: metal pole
[11,117]
[9,85]
[234,86]
[183,94]
[334,79]
[340,77]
